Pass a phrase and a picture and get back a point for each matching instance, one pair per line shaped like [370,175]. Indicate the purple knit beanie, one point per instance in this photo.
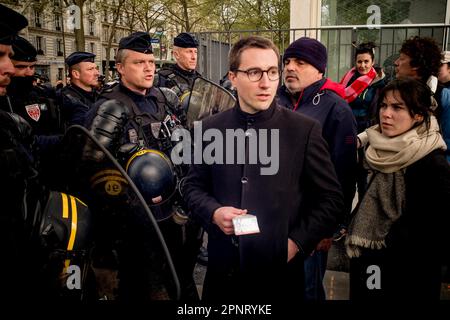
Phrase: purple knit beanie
[309,50]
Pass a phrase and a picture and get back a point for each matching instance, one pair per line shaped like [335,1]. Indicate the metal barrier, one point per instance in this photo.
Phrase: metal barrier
[214,46]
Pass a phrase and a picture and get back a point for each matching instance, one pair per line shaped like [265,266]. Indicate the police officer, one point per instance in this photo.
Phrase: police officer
[80,95]
[30,102]
[180,78]
[181,75]
[142,267]
[37,106]
[15,167]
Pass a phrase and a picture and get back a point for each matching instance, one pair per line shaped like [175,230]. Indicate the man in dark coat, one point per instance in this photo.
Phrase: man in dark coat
[295,195]
[306,91]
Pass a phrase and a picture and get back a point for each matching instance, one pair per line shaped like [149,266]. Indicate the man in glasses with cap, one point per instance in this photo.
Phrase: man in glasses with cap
[79,96]
[180,76]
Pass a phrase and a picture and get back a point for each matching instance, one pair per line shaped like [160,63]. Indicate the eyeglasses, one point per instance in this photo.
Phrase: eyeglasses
[256,74]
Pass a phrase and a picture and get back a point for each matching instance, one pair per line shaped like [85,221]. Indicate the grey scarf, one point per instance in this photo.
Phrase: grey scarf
[380,207]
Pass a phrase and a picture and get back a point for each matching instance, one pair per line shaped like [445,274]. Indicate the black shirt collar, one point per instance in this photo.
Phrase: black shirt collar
[259,117]
[186,73]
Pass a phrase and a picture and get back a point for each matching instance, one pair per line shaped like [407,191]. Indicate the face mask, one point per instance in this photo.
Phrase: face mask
[20,85]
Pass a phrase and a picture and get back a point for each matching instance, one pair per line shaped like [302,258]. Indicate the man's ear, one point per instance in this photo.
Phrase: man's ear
[232,77]
[176,54]
[76,74]
[119,67]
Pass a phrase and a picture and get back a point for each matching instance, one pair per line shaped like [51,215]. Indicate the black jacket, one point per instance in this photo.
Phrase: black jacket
[301,201]
[321,102]
[76,103]
[417,243]
[174,77]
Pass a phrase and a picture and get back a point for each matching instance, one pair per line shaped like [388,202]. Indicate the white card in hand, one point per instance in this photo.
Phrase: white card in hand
[245,224]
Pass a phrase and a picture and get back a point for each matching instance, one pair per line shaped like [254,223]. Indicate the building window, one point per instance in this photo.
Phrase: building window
[92,45]
[105,34]
[39,45]
[59,48]
[60,73]
[57,22]
[56,3]
[105,15]
[115,52]
[91,28]
[37,19]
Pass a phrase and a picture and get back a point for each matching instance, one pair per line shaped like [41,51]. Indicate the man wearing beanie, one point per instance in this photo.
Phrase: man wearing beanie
[307,91]
[180,76]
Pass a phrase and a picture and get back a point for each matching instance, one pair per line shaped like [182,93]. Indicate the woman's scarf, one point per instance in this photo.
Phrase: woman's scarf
[359,85]
[384,200]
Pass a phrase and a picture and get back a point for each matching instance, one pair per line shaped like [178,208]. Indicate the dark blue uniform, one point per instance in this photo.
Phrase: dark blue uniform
[140,259]
[76,103]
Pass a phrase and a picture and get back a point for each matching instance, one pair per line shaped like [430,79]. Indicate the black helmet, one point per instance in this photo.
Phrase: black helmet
[66,223]
[153,174]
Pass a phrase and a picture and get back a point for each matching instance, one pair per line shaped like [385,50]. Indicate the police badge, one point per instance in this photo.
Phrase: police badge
[33,111]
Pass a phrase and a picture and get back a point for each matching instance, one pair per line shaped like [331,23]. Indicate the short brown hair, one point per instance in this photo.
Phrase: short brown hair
[234,57]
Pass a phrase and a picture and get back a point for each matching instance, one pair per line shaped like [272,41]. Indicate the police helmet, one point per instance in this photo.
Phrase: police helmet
[153,174]
[66,223]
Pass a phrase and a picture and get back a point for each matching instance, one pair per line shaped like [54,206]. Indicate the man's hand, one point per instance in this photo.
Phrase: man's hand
[324,244]
[222,218]
[292,249]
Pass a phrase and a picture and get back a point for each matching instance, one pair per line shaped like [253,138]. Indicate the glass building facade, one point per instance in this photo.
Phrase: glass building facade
[350,22]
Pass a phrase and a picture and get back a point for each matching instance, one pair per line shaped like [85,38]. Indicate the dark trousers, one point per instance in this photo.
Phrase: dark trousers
[262,286]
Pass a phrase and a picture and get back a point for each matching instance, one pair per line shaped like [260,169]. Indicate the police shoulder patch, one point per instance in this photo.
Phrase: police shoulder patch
[33,111]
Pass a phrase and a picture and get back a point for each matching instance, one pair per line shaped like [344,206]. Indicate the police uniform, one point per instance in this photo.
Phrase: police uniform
[143,270]
[28,101]
[75,100]
[39,109]
[16,169]
[173,76]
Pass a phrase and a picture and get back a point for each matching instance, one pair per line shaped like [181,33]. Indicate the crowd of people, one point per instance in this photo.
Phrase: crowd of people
[67,202]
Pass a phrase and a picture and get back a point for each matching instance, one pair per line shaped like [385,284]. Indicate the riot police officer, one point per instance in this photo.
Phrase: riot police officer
[80,95]
[30,102]
[36,105]
[13,162]
[141,264]
[180,76]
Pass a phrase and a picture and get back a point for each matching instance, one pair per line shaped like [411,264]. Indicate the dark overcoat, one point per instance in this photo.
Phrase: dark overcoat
[301,201]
